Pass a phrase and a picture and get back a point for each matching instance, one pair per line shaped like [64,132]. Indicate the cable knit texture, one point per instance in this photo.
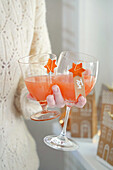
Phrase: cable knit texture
[23,31]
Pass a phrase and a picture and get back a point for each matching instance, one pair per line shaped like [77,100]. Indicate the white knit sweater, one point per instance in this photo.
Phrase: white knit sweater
[23,31]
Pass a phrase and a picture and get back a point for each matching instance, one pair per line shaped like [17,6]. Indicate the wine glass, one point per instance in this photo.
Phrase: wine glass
[38,81]
[67,80]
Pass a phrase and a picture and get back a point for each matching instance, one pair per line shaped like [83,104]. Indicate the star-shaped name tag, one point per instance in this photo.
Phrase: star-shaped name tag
[50,65]
[77,69]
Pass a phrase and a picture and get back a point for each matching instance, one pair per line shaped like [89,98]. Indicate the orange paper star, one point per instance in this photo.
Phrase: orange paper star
[77,69]
[50,65]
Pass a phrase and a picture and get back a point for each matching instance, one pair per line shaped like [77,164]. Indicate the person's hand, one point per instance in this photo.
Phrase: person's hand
[56,100]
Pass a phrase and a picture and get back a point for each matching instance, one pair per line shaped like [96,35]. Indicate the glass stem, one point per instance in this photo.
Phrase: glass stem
[44,106]
[63,132]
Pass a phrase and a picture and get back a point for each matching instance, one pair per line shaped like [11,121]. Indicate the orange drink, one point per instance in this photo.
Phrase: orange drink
[41,86]
[66,84]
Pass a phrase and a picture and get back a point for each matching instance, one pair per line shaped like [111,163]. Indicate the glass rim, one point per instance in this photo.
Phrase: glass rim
[74,52]
[33,55]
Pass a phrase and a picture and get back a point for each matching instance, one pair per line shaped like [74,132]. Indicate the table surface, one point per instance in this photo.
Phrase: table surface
[86,154]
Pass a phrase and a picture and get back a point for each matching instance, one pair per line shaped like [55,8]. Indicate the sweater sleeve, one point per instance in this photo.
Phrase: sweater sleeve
[40,44]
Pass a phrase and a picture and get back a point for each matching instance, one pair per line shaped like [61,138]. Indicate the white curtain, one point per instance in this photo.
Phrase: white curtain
[70,25]
[88,27]
[96,36]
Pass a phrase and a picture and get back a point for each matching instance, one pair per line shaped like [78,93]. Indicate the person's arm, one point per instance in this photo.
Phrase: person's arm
[40,44]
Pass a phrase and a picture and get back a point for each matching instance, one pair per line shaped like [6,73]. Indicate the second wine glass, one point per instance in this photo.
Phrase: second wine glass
[72,67]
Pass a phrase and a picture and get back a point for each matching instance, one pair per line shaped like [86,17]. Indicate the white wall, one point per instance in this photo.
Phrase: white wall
[54,22]
[96,36]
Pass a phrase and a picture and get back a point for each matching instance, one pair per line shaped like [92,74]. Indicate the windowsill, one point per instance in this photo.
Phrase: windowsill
[86,155]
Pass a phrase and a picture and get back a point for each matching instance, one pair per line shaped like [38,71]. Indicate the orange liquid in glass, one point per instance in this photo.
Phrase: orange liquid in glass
[41,86]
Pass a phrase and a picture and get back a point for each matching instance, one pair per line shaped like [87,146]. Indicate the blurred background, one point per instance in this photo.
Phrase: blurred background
[77,25]
[85,26]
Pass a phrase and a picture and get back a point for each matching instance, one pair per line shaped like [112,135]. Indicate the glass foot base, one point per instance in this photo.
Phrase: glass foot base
[60,143]
[45,115]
